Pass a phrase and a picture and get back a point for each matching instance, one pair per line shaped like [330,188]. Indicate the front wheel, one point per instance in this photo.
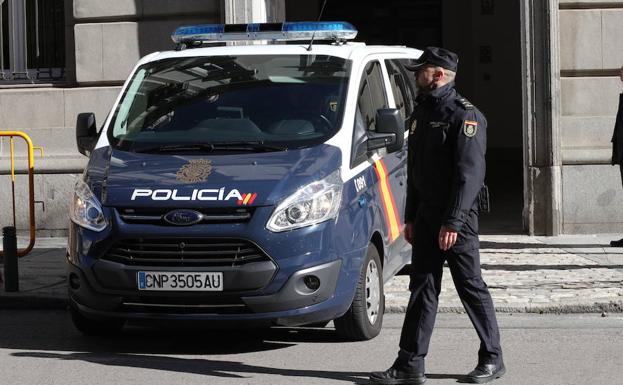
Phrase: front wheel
[364,318]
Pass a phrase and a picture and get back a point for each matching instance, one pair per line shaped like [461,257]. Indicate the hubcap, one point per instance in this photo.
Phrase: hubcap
[373,292]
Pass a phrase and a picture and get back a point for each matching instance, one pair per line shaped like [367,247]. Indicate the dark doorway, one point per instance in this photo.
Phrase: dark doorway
[414,23]
[486,34]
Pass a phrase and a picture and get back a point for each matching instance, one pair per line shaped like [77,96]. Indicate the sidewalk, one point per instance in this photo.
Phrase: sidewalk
[564,274]
[42,277]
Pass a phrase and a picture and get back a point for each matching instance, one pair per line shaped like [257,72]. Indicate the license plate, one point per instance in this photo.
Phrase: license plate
[176,281]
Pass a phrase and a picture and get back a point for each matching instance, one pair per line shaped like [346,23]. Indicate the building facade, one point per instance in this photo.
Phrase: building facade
[543,71]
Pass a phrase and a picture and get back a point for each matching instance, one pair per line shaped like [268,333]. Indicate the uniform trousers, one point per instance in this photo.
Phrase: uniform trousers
[427,268]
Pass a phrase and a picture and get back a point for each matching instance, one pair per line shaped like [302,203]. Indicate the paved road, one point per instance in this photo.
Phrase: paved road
[41,347]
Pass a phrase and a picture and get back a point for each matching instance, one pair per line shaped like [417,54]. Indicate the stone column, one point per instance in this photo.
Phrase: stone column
[541,99]
[253,11]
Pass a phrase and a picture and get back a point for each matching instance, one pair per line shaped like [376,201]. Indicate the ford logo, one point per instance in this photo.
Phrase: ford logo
[183,217]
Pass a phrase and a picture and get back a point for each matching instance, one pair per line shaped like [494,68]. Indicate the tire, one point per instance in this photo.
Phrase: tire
[364,318]
[93,327]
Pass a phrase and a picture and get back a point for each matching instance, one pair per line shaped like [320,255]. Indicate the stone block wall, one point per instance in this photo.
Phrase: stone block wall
[48,116]
[106,38]
[591,52]
[111,36]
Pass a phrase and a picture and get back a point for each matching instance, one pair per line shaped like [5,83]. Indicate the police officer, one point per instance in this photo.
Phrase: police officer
[617,146]
[446,171]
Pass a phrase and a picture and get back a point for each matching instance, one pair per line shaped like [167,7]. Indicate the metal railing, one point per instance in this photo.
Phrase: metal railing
[32,41]
[31,184]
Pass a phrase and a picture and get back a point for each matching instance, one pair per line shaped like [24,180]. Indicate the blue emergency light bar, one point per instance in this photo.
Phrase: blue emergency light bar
[287,31]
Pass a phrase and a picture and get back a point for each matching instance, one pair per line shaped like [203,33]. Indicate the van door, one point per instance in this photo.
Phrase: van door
[389,170]
[402,90]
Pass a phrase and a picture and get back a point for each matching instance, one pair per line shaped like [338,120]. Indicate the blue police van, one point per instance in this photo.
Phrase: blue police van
[259,183]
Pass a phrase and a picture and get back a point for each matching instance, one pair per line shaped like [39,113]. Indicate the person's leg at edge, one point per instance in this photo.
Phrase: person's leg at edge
[618,242]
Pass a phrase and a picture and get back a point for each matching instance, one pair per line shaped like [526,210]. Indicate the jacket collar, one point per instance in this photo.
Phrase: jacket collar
[438,94]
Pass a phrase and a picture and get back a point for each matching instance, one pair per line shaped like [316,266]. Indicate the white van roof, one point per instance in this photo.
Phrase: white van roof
[350,51]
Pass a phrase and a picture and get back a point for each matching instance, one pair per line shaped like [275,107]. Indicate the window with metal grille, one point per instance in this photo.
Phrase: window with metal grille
[32,41]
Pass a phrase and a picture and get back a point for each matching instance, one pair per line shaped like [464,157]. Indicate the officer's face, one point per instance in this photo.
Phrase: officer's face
[426,78]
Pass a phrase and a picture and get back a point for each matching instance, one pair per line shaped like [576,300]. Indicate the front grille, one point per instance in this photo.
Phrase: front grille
[185,252]
[155,216]
[219,304]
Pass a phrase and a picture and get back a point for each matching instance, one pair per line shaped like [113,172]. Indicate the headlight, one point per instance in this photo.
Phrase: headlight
[314,203]
[85,210]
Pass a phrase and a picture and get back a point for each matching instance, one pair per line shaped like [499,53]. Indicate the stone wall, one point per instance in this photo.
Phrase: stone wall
[110,36]
[591,51]
[105,40]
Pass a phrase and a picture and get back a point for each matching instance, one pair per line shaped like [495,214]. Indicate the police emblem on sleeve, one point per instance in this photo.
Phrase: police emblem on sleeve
[470,128]
[413,125]
[194,171]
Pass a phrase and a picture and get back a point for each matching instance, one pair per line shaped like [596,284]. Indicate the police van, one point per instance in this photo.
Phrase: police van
[260,183]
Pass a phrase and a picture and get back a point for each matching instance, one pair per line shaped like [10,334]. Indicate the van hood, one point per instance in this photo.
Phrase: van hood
[156,180]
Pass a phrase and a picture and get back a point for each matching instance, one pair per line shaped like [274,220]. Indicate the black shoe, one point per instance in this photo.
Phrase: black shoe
[618,243]
[485,373]
[395,376]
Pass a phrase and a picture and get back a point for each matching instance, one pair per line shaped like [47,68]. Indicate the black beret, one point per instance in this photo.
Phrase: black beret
[436,56]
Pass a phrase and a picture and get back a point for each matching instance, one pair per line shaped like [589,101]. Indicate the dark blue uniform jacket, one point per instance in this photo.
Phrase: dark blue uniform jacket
[446,167]
[617,136]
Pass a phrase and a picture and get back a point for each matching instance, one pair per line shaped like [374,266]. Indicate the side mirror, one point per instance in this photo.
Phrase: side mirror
[86,132]
[390,131]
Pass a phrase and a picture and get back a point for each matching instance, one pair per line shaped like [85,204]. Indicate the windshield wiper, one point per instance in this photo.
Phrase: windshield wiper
[177,147]
[213,146]
[248,145]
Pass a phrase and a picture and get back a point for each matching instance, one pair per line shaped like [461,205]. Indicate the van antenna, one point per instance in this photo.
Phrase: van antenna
[319,17]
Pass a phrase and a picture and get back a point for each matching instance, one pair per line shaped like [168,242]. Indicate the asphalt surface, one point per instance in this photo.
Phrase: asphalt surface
[42,347]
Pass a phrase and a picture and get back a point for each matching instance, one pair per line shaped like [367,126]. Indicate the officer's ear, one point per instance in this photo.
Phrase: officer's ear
[439,74]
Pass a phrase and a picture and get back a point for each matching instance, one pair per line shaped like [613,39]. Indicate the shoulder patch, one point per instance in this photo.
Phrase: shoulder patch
[464,103]
[470,127]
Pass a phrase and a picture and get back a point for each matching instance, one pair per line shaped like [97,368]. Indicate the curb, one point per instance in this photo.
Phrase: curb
[596,307]
[31,302]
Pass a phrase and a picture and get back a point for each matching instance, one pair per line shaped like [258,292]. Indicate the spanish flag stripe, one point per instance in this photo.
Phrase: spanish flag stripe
[246,199]
[388,201]
[394,212]
[252,198]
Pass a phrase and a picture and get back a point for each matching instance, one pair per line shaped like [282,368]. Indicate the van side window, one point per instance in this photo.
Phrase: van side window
[402,84]
[371,94]
[371,97]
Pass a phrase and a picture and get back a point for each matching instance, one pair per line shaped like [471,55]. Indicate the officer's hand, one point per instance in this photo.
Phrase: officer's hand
[447,238]
[409,232]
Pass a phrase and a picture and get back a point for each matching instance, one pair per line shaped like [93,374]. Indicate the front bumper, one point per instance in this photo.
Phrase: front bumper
[294,304]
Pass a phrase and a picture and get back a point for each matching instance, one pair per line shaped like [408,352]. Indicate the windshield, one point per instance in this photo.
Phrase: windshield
[231,103]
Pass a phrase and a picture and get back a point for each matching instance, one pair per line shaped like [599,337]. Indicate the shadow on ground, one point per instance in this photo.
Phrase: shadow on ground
[59,335]
[206,367]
